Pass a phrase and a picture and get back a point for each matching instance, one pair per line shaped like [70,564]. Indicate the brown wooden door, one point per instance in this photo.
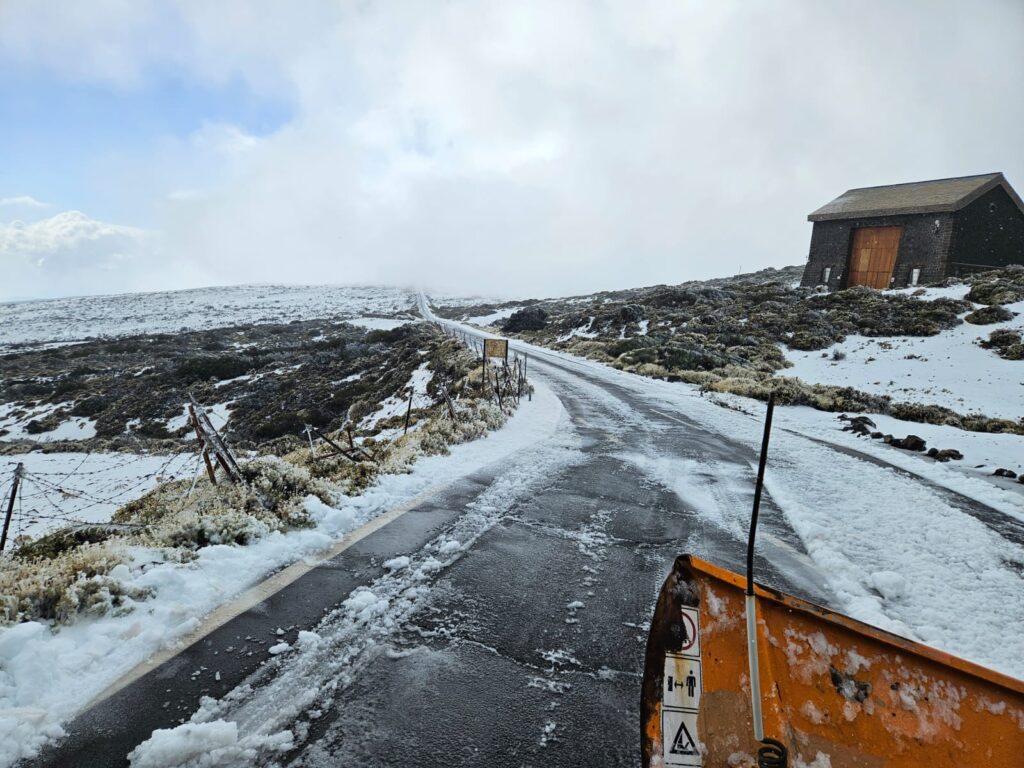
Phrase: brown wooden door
[873,255]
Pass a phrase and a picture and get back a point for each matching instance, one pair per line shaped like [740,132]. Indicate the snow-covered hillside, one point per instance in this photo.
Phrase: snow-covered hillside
[949,369]
[74,319]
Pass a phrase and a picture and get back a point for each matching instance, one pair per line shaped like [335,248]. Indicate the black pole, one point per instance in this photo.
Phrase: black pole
[757,493]
[408,411]
[10,504]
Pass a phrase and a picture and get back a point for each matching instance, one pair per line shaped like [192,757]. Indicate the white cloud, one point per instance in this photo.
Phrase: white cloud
[539,148]
[22,201]
[73,254]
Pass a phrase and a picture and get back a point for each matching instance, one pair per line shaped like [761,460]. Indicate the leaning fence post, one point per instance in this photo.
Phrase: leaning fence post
[18,472]
[408,411]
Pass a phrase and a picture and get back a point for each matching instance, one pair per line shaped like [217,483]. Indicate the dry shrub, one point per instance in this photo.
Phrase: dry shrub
[74,582]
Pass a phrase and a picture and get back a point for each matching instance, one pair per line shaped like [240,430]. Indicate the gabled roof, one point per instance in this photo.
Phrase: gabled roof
[938,196]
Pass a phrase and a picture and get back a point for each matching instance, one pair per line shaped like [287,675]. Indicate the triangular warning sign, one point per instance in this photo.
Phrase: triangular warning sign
[683,743]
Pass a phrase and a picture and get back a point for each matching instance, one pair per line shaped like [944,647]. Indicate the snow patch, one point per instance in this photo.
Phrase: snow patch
[204,745]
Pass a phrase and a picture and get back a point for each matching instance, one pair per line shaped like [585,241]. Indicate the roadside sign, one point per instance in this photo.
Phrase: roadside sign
[496,348]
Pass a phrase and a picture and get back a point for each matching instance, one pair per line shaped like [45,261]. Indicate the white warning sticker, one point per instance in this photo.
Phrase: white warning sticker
[691,632]
[679,737]
[683,683]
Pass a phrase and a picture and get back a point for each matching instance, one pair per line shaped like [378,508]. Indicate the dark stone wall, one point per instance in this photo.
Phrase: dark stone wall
[924,245]
[989,233]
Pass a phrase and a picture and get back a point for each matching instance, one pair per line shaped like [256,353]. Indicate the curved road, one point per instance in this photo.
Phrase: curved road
[513,636]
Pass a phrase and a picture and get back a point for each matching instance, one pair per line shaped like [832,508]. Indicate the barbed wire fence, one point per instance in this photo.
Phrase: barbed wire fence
[84,494]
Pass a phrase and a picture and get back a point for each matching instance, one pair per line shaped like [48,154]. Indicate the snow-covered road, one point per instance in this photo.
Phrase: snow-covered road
[503,622]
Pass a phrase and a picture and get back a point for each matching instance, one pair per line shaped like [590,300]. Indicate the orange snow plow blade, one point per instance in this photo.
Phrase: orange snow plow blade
[836,692]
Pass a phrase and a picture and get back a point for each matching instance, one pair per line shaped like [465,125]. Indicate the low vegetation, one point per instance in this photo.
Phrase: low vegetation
[74,571]
[275,379]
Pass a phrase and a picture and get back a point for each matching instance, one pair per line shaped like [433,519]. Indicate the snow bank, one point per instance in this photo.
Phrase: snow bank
[204,745]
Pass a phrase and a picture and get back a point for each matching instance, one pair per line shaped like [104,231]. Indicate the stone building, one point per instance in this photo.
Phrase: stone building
[922,232]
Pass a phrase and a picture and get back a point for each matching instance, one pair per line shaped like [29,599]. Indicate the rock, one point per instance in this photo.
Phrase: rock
[1003,472]
[995,313]
[877,435]
[528,319]
[909,443]
[859,425]
[672,297]
[946,454]
[631,313]
[887,439]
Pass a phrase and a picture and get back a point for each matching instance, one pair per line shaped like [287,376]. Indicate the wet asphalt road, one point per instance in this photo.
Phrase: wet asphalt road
[527,650]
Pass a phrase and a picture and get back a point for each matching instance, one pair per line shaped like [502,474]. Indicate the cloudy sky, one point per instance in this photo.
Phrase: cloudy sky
[508,148]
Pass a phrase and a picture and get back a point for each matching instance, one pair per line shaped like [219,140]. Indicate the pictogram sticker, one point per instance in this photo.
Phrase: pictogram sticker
[683,683]
[691,632]
[679,734]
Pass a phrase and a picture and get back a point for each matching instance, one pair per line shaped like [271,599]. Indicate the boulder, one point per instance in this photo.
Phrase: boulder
[1003,472]
[528,319]
[909,443]
[859,425]
[631,313]
[946,454]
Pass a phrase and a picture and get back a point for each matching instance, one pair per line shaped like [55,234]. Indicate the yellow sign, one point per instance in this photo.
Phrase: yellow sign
[496,348]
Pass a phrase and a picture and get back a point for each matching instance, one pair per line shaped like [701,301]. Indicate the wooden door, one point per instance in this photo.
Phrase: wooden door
[873,255]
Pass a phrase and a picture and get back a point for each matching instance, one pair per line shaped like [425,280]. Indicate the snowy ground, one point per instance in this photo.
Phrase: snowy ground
[493,317]
[72,429]
[63,321]
[378,323]
[398,404]
[64,488]
[47,675]
[949,369]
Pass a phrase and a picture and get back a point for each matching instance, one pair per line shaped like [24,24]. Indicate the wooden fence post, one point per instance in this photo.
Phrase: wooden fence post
[18,472]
